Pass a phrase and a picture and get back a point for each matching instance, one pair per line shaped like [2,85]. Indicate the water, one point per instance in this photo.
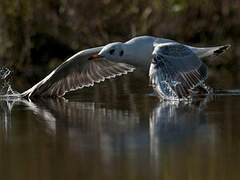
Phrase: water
[5,85]
[117,130]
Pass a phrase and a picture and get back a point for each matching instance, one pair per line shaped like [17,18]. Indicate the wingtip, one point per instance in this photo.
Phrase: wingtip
[227,46]
[221,49]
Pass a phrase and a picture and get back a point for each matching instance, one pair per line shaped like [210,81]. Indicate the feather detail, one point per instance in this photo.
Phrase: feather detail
[76,73]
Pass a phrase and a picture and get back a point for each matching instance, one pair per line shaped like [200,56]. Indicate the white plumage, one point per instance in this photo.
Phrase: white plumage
[171,61]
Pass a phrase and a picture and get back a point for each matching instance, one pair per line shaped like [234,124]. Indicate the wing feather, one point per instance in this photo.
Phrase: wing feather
[78,72]
[175,67]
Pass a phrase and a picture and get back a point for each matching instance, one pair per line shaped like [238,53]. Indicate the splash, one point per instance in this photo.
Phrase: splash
[166,90]
[165,86]
[5,86]
[164,79]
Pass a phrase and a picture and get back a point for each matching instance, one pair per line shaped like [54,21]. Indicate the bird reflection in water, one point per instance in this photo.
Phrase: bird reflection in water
[110,135]
[166,118]
[6,106]
[176,129]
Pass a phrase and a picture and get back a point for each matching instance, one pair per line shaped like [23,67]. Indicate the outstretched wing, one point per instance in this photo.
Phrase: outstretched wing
[175,67]
[78,72]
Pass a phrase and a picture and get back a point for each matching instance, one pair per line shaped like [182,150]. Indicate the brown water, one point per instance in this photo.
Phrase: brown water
[117,130]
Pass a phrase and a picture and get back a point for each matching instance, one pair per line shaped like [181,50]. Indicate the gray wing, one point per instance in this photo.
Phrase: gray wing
[177,66]
[78,72]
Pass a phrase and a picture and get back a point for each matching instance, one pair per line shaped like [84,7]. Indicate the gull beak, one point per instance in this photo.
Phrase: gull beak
[95,56]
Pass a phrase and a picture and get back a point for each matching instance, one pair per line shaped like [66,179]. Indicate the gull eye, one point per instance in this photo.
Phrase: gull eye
[112,51]
[121,53]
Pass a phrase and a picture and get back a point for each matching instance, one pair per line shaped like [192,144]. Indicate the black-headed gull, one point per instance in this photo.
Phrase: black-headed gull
[171,61]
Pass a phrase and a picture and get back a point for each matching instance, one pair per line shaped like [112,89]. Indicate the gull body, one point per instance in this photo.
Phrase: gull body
[115,59]
[137,51]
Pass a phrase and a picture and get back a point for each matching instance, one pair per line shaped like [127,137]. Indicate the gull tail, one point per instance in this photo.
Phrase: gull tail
[209,51]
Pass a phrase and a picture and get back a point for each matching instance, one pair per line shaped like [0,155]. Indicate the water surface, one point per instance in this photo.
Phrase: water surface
[116,130]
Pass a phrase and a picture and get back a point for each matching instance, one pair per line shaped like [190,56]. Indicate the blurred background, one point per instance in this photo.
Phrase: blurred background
[36,35]
[116,130]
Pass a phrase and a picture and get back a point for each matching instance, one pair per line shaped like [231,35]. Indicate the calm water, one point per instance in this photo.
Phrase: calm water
[117,130]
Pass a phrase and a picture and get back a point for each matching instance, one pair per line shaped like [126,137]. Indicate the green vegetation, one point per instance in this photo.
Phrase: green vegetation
[36,32]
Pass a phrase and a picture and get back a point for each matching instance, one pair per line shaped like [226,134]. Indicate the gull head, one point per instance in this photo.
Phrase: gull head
[113,51]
